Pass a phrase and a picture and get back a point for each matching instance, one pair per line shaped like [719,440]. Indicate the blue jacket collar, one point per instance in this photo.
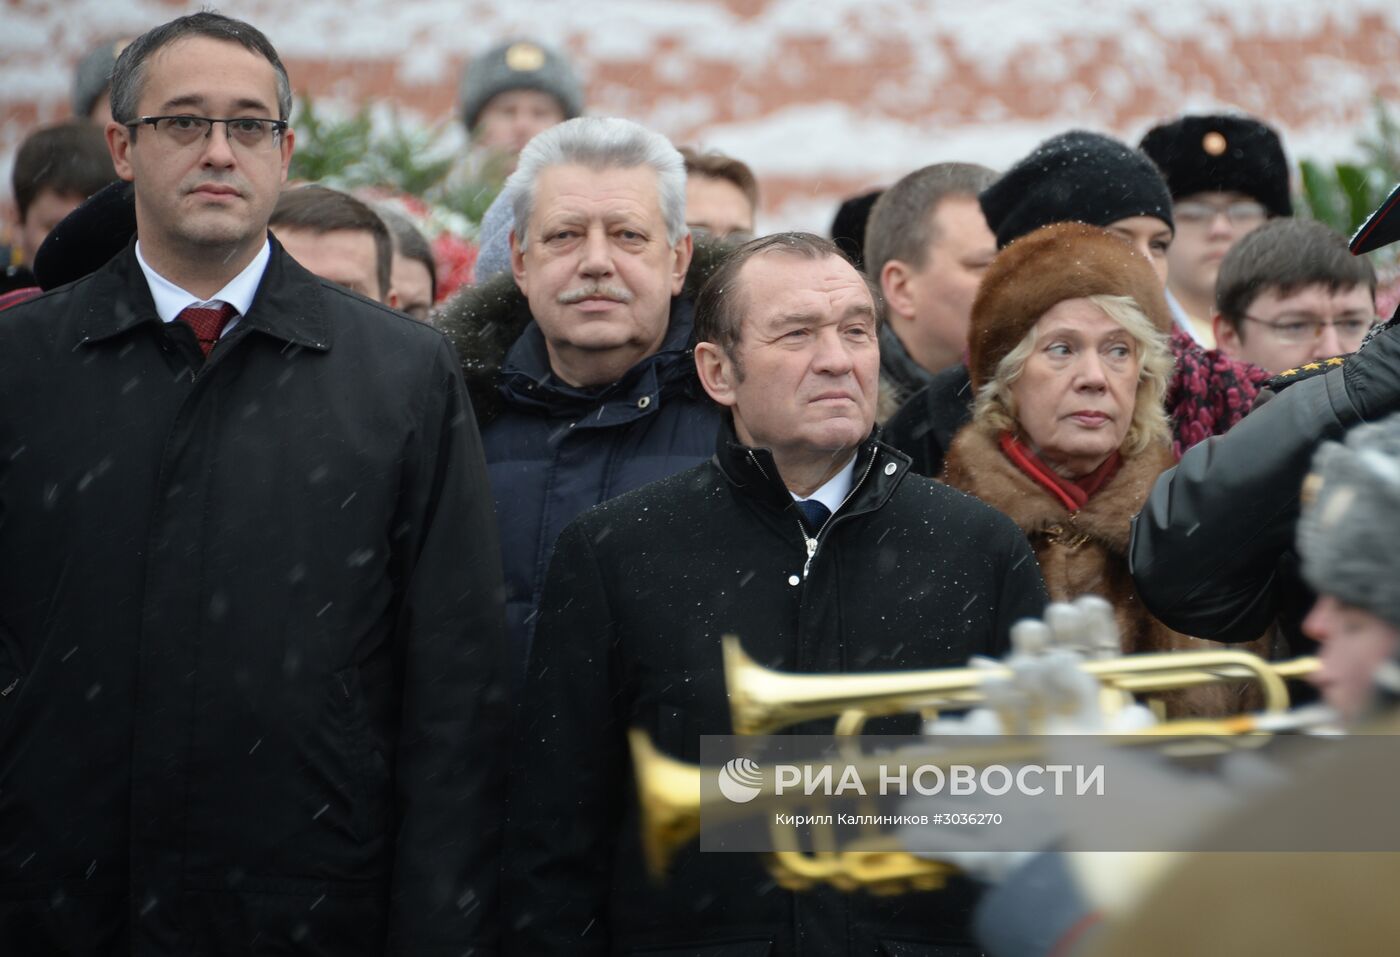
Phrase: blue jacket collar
[528,383]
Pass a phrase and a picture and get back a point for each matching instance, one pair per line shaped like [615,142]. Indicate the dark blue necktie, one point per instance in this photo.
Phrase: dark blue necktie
[814,514]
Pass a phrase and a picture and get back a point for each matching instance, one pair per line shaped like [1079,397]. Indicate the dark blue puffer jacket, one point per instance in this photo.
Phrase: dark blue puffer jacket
[553,450]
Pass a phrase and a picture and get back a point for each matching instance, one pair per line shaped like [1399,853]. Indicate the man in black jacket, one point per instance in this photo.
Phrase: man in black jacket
[249,587]
[927,244]
[806,537]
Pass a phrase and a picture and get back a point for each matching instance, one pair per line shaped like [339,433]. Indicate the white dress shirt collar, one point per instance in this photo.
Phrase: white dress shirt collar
[171,300]
[834,492]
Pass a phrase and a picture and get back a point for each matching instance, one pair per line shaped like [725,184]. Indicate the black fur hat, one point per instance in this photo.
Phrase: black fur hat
[1222,153]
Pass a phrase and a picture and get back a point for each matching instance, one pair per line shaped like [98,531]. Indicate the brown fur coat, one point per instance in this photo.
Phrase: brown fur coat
[1085,552]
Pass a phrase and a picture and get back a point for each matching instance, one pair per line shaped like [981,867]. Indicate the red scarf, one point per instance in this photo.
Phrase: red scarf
[1073,494]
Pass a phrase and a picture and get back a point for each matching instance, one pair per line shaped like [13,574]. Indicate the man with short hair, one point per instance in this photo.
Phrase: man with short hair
[1290,293]
[721,196]
[1227,175]
[249,591]
[805,536]
[579,363]
[413,277]
[337,237]
[927,244]
[56,168]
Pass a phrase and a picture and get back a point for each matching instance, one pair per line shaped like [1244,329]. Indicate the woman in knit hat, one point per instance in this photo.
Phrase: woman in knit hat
[1086,178]
[1069,362]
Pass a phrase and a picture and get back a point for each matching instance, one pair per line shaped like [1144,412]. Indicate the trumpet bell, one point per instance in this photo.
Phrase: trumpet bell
[668,794]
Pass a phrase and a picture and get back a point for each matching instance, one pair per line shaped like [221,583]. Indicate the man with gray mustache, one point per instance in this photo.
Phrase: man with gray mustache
[579,361]
[595,291]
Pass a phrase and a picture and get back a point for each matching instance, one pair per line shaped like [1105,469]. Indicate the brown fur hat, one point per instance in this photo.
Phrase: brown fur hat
[1054,263]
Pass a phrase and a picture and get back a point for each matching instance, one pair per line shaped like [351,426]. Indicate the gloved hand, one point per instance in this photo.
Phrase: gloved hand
[1372,375]
[968,832]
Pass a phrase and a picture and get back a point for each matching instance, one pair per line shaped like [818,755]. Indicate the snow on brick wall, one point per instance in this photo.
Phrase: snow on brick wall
[821,97]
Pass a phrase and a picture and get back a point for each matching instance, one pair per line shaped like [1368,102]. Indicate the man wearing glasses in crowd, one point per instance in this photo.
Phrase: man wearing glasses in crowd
[1227,175]
[249,586]
[1291,294]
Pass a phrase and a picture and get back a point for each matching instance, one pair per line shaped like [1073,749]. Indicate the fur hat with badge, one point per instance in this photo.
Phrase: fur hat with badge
[1077,176]
[1057,262]
[1351,520]
[92,77]
[1222,153]
[518,65]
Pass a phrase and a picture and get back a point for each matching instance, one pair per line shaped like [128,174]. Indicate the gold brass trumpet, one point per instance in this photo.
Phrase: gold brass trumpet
[762,700]
[669,795]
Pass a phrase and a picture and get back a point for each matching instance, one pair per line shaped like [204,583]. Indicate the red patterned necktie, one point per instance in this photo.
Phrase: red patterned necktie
[207,323]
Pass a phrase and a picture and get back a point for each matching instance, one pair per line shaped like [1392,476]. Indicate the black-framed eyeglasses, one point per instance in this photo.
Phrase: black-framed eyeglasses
[249,132]
[1295,332]
[1197,213]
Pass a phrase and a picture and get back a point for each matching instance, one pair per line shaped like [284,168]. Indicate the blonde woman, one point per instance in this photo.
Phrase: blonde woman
[1070,362]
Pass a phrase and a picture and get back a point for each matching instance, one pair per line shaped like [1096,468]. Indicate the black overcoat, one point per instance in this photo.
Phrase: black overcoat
[908,575]
[249,629]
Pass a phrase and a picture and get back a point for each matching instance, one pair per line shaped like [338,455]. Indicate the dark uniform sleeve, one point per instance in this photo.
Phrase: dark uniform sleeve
[1207,544]
[449,782]
[569,771]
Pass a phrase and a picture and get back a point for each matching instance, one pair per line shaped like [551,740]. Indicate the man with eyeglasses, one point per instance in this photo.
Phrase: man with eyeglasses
[1290,294]
[250,607]
[1227,175]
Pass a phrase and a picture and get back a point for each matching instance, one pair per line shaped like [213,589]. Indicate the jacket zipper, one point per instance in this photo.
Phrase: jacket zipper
[813,541]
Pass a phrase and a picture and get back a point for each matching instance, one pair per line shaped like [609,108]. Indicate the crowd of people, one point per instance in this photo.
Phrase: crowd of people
[327,600]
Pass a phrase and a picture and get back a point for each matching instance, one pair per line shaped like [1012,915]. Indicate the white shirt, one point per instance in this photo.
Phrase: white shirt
[171,300]
[834,492]
[1183,321]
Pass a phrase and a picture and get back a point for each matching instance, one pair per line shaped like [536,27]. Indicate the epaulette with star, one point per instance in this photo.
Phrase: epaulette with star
[1306,371]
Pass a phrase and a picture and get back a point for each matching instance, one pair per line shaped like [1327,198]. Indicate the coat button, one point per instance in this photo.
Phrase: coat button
[643,402]
[794,580]
[891,468]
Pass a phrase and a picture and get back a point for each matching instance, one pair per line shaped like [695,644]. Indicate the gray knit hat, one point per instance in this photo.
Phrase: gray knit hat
[518,65]
[1349,533]
[93,75]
